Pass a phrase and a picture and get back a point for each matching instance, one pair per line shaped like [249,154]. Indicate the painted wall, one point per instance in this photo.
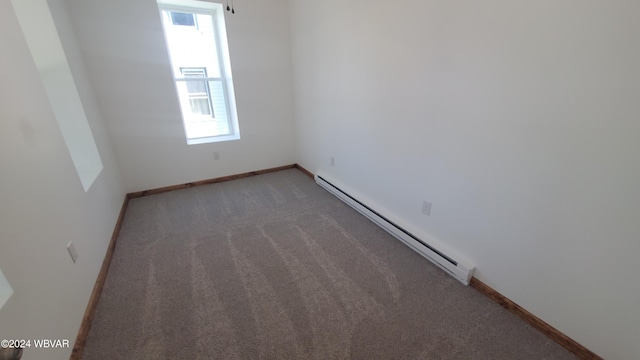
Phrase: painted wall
[129,66]
[43,205]
[517,120]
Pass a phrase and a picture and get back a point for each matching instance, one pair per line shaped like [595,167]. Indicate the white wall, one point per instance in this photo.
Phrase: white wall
[129,66]
[43,205]
[518,120]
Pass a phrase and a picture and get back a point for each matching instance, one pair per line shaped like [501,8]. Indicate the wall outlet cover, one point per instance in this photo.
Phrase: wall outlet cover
[72,251]
[426,208]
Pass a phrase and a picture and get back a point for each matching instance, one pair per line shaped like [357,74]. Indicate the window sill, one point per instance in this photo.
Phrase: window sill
[212,139]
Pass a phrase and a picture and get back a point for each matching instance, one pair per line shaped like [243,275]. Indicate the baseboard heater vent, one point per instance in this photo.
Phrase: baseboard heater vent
[453,265]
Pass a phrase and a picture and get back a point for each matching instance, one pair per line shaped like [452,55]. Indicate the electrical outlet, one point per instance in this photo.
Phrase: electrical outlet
[216,155]
[72,251]
[333,161]
[426,208]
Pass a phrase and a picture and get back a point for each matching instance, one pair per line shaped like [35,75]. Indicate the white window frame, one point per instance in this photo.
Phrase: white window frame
[216,11]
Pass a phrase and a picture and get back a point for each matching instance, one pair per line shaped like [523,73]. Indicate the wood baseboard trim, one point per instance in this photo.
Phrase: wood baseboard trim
[305,171]
[87,319]
[553,333]
[160,190]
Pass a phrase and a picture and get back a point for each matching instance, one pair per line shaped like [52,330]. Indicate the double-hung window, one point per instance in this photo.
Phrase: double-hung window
[196,39]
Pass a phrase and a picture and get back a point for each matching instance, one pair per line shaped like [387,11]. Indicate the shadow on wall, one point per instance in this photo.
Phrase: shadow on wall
[10,354]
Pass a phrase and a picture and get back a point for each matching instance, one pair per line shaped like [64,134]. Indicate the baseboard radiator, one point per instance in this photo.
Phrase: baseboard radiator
[452,264]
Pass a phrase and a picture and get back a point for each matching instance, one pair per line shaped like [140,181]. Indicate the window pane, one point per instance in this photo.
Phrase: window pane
[200,106]
[204,116]
[193,86]
[178,18]
[193,52]
[217,96]
[197,87]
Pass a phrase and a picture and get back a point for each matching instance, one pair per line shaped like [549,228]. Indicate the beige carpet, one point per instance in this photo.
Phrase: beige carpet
[274,267]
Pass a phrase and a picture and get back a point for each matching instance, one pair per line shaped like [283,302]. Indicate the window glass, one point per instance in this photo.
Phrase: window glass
[178,18]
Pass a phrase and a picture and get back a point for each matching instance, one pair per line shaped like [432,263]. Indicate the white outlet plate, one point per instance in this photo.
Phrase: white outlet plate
[426,208]
[216,155]
[333,161]
[73,252]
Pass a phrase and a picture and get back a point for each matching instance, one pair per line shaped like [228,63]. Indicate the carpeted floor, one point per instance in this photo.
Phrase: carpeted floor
[274,267]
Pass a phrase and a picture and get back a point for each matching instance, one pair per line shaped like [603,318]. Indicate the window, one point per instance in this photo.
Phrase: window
[196,39]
